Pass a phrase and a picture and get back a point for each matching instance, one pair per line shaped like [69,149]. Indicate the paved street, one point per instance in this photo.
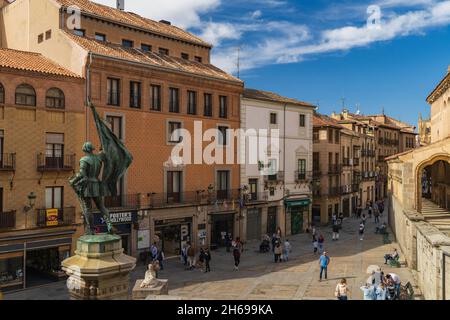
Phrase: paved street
[260,278]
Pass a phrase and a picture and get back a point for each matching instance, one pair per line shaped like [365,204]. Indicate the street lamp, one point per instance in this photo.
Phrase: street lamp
[31,202]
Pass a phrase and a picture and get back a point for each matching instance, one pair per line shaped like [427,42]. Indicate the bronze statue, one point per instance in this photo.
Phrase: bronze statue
[114,158]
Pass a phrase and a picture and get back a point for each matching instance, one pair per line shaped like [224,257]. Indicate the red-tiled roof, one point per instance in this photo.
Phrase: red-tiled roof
[321,120]
[151,58]
[273,97]
[132,19]
[30,61]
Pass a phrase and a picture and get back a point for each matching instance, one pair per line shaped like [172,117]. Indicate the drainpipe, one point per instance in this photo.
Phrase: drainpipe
[284,166]
[88,94]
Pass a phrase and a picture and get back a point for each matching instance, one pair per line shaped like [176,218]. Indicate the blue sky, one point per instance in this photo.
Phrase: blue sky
[376,54]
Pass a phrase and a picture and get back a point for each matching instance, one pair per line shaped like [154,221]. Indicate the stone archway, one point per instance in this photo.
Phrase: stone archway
[445,157]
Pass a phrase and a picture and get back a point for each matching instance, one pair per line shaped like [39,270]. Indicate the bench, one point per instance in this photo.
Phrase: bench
[395,262]
[386,238]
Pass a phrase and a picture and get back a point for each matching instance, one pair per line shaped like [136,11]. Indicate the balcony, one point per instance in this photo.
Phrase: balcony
[334,169]
[334,191]
[317,172]
[8,162]
[62,163]
[356,162]
[346,189]
[65,217]
[303,176]
[355,187]
[381,158]
[161,200]
[7,220]
[277,177]
[256,197]
[126,201]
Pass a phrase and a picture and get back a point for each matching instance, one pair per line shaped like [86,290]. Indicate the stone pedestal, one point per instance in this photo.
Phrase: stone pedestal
[99,270]
[142,293]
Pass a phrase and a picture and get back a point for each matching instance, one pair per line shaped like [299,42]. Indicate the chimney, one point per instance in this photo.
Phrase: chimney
[121,5]
[165,22]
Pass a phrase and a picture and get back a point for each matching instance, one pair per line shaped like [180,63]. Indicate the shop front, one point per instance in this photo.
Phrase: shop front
[222,224]
[254,220]
[298,210]
[173,234]
[32,260]
[123,222]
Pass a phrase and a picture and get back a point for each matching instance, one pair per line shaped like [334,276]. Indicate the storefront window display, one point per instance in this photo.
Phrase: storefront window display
[11,272]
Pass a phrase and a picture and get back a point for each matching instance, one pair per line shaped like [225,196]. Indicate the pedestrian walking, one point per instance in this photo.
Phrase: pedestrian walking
[342,290]
[376,215]
[274,241]
[370,209]
[359,212]
[237,249]
[191,256]
[315,244]
[334,218]
[201,259]
[335,228]
[184,254]
[314,232]
[361,231]
[207,260]
[287,248]
[154,251]
[324,261]
[277,252]
[364,218]
[160,258]
[321,241]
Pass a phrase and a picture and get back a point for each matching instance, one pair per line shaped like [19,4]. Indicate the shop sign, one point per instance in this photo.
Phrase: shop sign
[52,217]
[184,233]
[118,218]
[294,203]
[143,239]
[202,234]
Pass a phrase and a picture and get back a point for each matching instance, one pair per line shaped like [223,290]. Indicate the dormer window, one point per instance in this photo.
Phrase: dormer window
[100,37]
[127,43]
[146,47]
[164,51]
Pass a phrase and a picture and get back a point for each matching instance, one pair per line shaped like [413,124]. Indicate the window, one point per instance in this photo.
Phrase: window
[198,59]
[164,51]
[174,101]
[330,135]
[223,112]
[113,91]
[115,123]
[185,56]
[146,47]
[208,105]
[48,34]
[156,98]
[54,150]
[25,95]
[2,94]
[223,184]
[273,118]
[222,135]
[174,186]
[316,135]
[54,197]
[79,32]
[174,132]
[135,94]
[100,37]
[301,174]
[336,136]
[192,102]
[55,99]
[40,38]
[302,120]
[127,43]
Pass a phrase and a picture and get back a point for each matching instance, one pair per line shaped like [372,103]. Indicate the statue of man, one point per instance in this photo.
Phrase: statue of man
[89,188]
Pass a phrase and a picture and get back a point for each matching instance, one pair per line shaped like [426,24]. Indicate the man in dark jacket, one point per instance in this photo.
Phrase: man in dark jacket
[207,256]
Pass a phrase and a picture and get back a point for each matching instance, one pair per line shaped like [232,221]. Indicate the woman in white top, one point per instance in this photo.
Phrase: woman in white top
[342,290]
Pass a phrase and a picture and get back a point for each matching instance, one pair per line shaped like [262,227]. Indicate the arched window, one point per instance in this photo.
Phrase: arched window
[25,95]
[55,99]
[2,94]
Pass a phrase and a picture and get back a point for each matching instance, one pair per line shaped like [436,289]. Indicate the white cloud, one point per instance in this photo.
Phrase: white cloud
[214,32]
[182,13]
[256,14]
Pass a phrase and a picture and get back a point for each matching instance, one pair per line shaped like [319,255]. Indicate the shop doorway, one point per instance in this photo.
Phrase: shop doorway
[222,224]
[316,215]
[296,219]
[271,220]
[254,224]
[43,266]
[346,207]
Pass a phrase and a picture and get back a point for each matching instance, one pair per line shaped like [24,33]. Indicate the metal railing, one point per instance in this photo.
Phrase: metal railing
[334,191]
[346,189]
[60,163]
[66,216]
[334,169]
[255,197]
[158,200]
[355,162]
[132,201]
[8,162]
[302,176]
[346,162]
[7,220]
[279,176]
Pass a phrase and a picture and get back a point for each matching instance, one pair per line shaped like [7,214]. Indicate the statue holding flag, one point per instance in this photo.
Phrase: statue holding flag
[114,159]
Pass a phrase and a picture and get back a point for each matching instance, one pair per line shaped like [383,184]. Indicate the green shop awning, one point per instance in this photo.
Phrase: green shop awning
[297,202]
